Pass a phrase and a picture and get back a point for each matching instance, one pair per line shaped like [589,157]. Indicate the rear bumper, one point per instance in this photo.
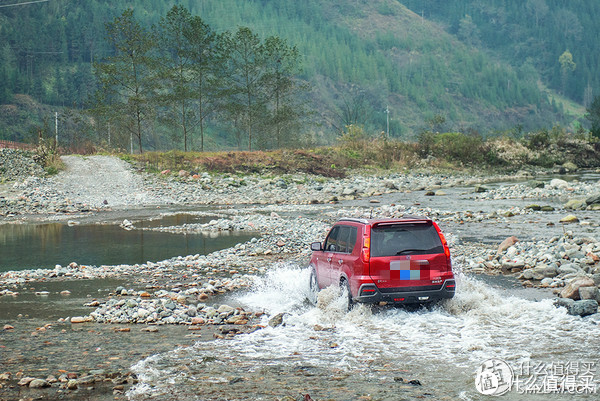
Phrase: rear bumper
[369,293]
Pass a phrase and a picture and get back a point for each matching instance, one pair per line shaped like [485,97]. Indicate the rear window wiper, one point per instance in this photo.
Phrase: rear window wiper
[411,250]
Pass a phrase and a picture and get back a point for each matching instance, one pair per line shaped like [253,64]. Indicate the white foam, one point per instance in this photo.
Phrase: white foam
[445,344]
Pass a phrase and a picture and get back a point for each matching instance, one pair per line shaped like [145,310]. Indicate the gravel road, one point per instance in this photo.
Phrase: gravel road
[95,179]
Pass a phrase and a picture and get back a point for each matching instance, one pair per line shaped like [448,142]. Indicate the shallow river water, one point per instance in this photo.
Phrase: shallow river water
[372,353]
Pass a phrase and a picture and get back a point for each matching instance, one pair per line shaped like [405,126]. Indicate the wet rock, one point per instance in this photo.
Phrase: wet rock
[276,320]
[584,308]
[572,289]
[569,219]
[537,184]
[594,199]
[480,189]
[72,384]
[575,204]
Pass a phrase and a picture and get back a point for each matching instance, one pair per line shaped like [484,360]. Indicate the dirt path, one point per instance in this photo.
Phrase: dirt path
[98,180]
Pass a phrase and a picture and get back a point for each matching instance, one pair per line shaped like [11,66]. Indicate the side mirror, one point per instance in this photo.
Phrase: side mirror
[316,246]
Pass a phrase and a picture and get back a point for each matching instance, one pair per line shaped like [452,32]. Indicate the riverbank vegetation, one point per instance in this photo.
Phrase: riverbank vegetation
[358,150]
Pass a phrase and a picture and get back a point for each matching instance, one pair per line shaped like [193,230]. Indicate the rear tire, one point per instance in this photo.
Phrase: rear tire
[345,291]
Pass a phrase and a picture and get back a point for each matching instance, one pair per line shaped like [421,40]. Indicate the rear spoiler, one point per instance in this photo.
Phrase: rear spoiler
[399,223]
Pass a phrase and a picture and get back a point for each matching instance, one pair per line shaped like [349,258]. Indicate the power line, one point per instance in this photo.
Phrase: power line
[23,4]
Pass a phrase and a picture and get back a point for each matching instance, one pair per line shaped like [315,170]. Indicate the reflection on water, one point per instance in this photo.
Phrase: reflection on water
[30,246]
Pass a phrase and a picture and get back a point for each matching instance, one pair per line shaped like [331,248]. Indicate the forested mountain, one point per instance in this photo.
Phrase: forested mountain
[530,33]
[441,65]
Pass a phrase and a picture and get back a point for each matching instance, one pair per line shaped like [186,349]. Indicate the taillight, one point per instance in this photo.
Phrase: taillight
[444,244]
[366,248]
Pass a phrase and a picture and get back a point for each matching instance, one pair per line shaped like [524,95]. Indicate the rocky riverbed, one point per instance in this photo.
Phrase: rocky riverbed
[188,298]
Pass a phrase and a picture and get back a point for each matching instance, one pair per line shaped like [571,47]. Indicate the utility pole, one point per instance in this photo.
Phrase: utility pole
[56,130]
[387,112]
[131,142]
[109,134]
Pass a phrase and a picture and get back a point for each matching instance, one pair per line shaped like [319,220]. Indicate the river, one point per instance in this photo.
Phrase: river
[388,353]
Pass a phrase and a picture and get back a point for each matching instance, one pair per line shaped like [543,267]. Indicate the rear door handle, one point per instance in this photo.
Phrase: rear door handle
[422,262]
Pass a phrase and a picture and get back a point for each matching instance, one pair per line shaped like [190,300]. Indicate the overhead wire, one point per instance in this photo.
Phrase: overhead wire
[23,4]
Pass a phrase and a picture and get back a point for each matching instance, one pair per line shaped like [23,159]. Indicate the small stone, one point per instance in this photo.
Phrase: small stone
[39,383]
[225,309]
[507,243]
[72,384]
[25,381]
[78,319]
[150,329]
[65,293]
[8,327]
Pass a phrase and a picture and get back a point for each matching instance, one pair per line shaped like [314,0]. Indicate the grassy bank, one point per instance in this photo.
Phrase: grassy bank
[356,151]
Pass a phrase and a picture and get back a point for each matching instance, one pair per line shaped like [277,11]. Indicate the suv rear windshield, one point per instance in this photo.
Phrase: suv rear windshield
[405,239]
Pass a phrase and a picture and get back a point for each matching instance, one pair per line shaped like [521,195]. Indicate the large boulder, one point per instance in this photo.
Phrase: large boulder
[572,289]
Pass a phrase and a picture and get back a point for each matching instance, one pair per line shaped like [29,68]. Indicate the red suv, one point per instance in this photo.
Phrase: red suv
[398,261]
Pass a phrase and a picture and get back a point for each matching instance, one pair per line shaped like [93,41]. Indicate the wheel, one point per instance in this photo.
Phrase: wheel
[313,287]
[346,293]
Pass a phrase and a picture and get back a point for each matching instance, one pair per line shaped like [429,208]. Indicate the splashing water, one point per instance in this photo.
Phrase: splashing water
[368,348]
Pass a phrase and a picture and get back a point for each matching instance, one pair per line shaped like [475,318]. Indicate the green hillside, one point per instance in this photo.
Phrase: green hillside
[359,57]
